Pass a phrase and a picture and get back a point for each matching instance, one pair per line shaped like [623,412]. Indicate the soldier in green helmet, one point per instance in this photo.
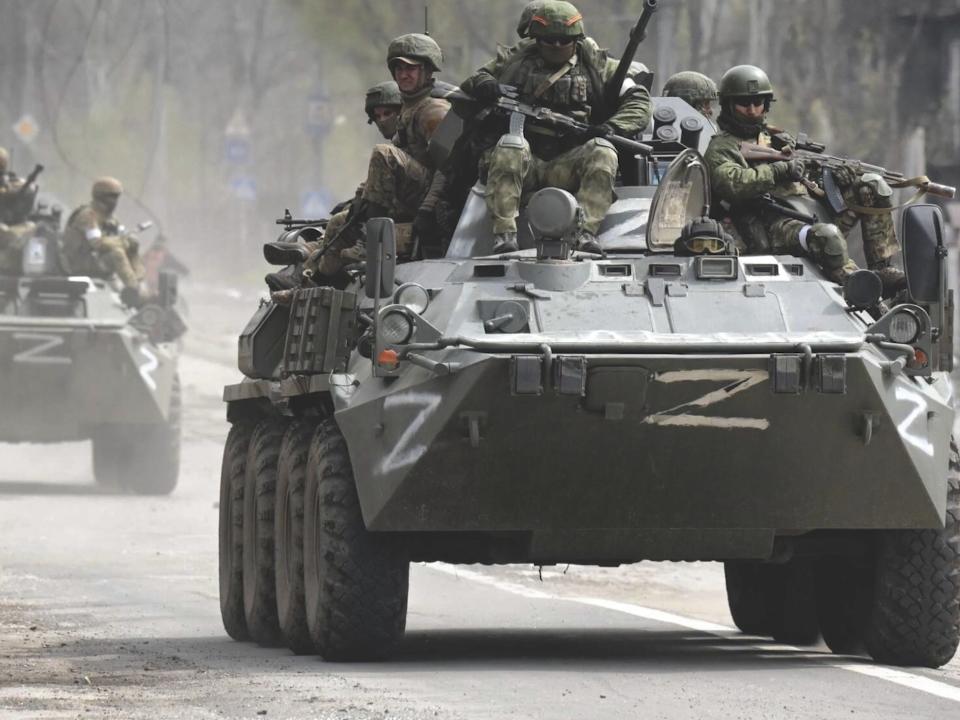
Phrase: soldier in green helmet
[16,202]
[95,244]
[382,105]
[695,89]
[559,67]
[745,97]
[403,182]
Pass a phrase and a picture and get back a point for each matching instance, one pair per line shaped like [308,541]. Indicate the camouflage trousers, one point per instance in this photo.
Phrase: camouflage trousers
[396,181]
[330,263]
[513,172]
[13,238]
[111,255]
[879,238]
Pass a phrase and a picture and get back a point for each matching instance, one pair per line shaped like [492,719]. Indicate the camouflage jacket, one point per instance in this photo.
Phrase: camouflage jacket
[420,115]
[15,206]
[733,179]
[86,228]
[580,93]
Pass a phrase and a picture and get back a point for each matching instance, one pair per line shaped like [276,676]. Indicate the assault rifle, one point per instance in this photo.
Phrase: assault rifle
[637,34]
[510,106]
[31,178]
[760,153]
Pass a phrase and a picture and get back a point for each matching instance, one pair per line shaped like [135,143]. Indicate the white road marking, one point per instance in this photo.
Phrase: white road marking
[879,672]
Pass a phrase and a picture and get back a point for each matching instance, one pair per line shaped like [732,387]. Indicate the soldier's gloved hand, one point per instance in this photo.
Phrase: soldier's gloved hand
[783,140]
[601,131]
[845,176]
[425,225]
[486,88]
[788,170]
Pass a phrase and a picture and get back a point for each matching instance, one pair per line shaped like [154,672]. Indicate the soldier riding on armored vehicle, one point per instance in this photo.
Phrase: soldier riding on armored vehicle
[646,393]
[80,363]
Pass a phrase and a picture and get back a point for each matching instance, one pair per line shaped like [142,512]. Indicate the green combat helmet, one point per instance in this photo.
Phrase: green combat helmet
[106,186]
[745,81]
[692,87]
[385,93]
[556,18]
[526,15]
[415,48]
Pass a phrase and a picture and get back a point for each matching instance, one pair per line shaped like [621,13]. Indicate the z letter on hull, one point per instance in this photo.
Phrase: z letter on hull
[40,353]
[405,453]
[737,381]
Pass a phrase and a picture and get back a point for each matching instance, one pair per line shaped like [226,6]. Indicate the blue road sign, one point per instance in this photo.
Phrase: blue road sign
[237,149]
[244,188]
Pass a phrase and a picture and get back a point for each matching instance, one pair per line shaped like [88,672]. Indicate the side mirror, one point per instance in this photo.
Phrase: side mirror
[381,257]
[921,233]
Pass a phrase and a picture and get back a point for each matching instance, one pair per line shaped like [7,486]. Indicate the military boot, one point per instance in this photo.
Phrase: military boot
[892,277]
[588,242]
[505,242]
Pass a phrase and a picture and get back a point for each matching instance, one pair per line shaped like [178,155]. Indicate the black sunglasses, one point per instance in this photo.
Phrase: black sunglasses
[556,40]
[754,100]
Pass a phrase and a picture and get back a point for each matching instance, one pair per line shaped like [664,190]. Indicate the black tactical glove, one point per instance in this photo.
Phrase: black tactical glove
[486,88]
[601,131]
[845,175]
[425,225]
[788,170]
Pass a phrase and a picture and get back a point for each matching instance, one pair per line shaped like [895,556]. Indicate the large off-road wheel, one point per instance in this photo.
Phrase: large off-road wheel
[843,601]
[288,535]
[792,602]
[773,600]
[232,474]
[747,596]
[144,458]
[260,480]
[915,610]
[355,581]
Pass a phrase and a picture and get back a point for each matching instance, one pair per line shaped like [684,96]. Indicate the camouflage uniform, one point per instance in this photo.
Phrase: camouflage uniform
[15,228]
[695,89]
[516,167]
[762,230]
[93,243]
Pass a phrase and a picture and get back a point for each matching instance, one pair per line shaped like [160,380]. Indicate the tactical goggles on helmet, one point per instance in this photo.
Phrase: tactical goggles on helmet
[559,40]
[705,245]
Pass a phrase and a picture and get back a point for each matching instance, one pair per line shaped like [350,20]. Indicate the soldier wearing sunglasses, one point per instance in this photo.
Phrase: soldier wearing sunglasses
[745,98]
[563,70]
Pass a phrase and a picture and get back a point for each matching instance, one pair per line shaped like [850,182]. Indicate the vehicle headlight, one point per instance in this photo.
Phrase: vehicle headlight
[412,296]
[904,327]
[395,326]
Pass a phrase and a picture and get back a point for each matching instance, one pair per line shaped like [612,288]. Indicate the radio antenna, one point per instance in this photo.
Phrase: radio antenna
[426,19]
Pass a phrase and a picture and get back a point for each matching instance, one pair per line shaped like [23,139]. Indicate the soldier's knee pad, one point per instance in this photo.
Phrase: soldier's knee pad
[603,154]
[382,155]
[874,191]
[826,243]
[509,156]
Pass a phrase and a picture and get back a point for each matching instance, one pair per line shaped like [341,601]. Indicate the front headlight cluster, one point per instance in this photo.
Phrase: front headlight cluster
[905,326]
[396,325]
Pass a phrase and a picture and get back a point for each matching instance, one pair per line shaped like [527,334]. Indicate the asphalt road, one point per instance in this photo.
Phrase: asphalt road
[108,608]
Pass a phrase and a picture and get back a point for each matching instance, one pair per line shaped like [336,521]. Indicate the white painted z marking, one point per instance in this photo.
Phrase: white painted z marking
[905,428]
[147,368]
[738,381]
[406,452]
[40,353]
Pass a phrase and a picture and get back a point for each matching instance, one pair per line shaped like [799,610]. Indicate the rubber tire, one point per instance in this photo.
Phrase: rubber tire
[915,609]
[260,481]
[288,536]
[230,532]
[144,459]
[843,602]
[746,596]
[355,582]
[792,602]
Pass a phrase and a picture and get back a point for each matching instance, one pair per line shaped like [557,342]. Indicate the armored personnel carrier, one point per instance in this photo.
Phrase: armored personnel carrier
[666,400]
[79,365]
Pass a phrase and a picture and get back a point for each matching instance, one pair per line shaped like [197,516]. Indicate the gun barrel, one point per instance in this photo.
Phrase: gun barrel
[637,34]
[944,191]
